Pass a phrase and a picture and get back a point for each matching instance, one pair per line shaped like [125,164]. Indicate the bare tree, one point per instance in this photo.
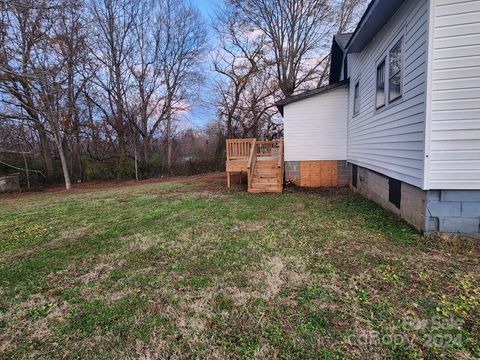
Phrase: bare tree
[297,31]
[247,87]
[101,87]
[70,38]
[347,13]
[182,38]
[23,25]
[238,59]
[113,22]
[145,98]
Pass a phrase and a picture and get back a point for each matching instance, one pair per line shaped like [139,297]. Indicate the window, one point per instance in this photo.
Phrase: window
[389,76]
[395,192]
[380,85]
[395,71]
[354,175]
[356,99]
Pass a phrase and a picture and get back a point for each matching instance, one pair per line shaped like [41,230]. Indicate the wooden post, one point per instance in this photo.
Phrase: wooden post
[228,180]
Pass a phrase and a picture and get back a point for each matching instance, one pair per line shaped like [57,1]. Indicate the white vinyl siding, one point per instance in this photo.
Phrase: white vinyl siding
[316,128]
[391,140]
[454,85]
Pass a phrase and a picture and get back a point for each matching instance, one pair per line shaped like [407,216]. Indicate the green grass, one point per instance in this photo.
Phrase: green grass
[188,269]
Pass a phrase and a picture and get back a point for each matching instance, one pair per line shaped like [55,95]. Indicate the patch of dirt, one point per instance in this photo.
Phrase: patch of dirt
[67,236]
[42,329]
[77,233]
[277,274]
[64,278]
[117,295]
[265,351]
[192,323]
[208,182]
[273,280]
[141,242]
[100,270]
[249,225]
[298,206]
[341,190]
[31,318]
[155,350]
[241,297]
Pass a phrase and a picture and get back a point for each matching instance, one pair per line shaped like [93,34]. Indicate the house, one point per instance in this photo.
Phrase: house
[400,120]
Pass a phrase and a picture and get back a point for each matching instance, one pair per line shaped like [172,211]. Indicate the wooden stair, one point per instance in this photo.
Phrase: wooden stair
[261,160]
[267,177]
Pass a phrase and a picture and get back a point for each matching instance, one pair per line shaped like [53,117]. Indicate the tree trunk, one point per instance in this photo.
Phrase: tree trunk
[229,127]
[136,160]
[26,170]
[63,160]
[46,153]
[169,137]
[146,147]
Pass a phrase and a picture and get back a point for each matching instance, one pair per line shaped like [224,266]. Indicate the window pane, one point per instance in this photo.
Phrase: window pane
[395,71]
[395,86]
[380,85]
[356,100]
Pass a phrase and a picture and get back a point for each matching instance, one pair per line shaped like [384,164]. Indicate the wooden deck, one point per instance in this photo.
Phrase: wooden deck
[262,161]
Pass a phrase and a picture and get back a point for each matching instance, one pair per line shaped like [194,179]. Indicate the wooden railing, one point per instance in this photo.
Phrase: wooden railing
[252,160]
[239,149]
[280,163]
[268,148]
[244,153]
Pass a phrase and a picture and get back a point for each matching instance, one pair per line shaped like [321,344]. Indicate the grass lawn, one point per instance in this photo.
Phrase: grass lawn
[188,269]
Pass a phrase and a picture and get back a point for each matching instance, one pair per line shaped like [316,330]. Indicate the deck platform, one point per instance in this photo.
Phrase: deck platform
[261,161]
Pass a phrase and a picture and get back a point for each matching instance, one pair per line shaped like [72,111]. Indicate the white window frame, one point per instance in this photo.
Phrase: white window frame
[385,55]
[402,69]
[356,100]
[384,61]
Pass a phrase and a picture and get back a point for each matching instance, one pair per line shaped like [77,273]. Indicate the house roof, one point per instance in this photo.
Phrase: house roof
[342,39]
[307,94]
[337,53]
[375,17]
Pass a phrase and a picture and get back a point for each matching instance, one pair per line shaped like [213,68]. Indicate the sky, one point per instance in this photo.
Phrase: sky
[202,113]
[207,7]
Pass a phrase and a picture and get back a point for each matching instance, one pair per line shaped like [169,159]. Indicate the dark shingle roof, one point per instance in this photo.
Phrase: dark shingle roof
[307,94]
[337,52]
[343,39]
[376,15]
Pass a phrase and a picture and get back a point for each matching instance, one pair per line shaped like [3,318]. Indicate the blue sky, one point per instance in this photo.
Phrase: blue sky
[206,7]
[202,113]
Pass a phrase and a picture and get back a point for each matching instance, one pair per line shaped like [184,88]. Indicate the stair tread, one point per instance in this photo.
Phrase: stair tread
[266,177]
[276,190]
[265,174]
[264,185]
[265,181]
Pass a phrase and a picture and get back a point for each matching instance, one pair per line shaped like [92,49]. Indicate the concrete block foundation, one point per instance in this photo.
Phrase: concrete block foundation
[375,186]
[292,171]
[451,211]
[455,211]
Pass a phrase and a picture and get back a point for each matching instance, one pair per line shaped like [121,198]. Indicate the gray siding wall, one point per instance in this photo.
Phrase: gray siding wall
[454,91]
[392,140]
